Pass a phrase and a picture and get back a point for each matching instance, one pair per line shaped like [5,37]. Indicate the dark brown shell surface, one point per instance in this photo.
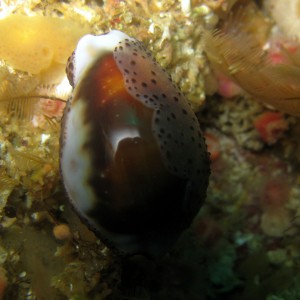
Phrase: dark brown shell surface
[148,165]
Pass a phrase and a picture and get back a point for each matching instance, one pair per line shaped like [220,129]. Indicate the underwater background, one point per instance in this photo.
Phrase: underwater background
[238,64]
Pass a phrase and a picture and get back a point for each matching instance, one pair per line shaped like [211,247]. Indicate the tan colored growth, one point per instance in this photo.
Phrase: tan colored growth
[239,55]
[286,15]
[32,44]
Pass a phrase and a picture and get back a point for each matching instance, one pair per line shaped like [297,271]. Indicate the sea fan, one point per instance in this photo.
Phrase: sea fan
[13,94]
[21,98]
[25,161]
[6,183]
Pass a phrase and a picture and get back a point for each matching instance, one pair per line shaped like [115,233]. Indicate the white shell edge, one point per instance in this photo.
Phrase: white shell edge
[91,47]
[73,154]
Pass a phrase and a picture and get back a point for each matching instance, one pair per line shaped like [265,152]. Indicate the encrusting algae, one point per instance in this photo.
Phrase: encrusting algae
[244,243]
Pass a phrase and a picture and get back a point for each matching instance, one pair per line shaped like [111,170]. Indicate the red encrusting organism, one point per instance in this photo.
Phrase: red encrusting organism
[270,126]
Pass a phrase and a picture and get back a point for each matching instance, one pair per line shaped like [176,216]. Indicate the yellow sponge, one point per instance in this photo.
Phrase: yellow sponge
[31,44]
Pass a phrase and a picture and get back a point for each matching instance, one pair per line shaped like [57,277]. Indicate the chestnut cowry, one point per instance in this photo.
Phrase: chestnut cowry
[133,159]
